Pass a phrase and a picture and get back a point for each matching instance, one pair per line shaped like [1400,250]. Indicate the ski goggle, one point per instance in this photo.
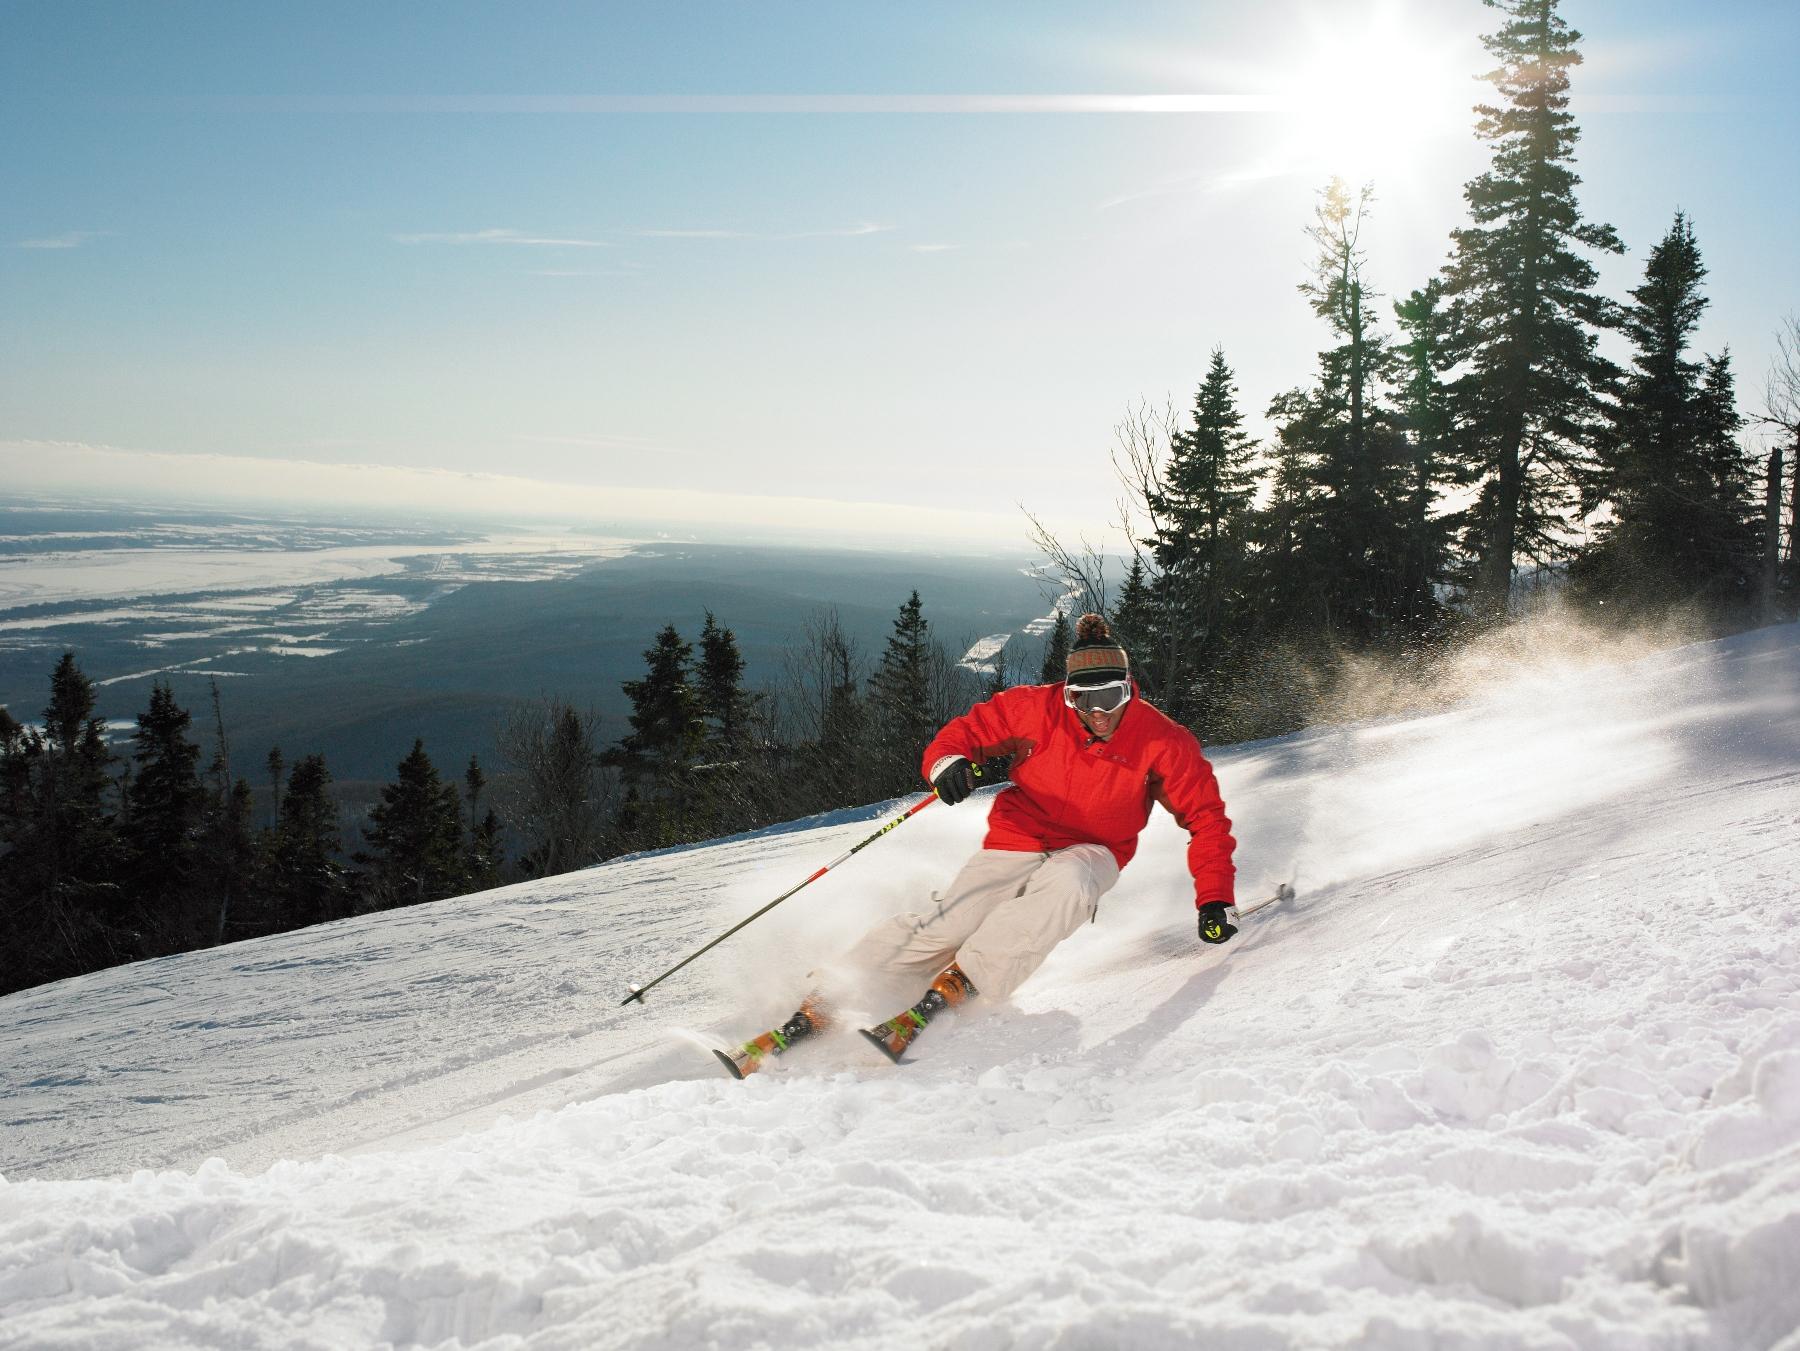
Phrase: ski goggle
[1107,698]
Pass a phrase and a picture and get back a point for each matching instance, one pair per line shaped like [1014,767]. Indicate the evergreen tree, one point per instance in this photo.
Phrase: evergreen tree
[724,704]
[1342,489]
[65,912]
[274,765]
[1682,505]
[164,804]
[732,783]
[227,845]
[1731,550]
[998,678]
[307,882]
[15,775]
[79,831]
[415,837]
[1427,423]
[1533,397]
[487,855]
[901,706]
[473,782]
[1138,621]
[232,858]
[656,759]
[666,728]
[24,940]
[1201,548]
[1056,651]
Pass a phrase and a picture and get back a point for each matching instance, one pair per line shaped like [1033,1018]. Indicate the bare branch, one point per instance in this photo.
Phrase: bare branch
[1781,397]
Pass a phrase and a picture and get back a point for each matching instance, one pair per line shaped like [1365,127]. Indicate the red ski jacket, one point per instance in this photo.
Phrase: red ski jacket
[1069,787]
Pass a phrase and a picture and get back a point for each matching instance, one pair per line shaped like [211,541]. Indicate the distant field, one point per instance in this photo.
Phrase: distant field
[433,632]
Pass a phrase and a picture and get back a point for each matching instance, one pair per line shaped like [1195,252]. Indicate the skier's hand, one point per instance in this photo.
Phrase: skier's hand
[1214,926]
[955,781]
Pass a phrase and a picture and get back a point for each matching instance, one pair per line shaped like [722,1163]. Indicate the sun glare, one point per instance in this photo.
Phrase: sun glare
[1366,95]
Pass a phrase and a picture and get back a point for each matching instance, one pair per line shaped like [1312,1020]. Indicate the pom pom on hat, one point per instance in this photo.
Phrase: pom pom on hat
[1096,657]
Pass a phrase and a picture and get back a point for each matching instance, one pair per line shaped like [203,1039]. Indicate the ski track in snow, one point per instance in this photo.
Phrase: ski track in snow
[1520,1067]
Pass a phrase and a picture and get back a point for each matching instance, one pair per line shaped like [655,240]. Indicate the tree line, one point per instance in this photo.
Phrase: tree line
[108,858]
[1447,442]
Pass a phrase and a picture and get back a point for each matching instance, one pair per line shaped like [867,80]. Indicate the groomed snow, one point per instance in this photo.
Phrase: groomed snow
[1520,1067]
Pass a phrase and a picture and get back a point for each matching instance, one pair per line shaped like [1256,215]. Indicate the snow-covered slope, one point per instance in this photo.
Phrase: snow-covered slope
[1520,1067]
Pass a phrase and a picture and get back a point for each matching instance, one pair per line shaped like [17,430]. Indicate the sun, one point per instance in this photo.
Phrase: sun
[1367,94]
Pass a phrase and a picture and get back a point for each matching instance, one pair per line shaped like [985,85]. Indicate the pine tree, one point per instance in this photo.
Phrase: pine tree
[233,859]
[1427,422]
[998,678]
[1056,651]
[1342,489]
[415,837]
[666,728]
[724,704]
[900,698]
[307,882]
[66,910]
[1201,550]
[1731,549]
[656,759]
[1676,482]
[487,855]
[162,826]
[1138,622]
[733,783]
[25,942]
[473,782]
[227,845]
[274,765]
[1533,400]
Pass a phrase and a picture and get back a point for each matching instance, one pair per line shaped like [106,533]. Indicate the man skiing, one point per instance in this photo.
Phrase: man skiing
[1089,755]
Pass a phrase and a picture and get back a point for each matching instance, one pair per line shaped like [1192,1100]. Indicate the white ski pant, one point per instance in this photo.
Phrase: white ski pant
[997,920]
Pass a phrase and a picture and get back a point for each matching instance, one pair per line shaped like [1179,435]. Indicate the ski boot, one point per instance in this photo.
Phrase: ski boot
[806,1020]
[892,1038]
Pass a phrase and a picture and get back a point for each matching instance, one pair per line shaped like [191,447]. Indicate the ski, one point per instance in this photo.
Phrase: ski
[748,1058]
[894,1036]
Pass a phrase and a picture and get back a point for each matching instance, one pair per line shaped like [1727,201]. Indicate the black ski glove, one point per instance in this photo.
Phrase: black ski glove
[1214,927]
[955,781]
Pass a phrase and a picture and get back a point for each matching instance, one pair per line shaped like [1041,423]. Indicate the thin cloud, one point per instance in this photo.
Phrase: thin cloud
[1195,183]
[74,239]
[501,237]
[745,103]
[847,232]
[932,248]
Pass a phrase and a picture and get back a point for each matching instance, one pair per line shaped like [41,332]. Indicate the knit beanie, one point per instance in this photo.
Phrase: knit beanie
[1096,656]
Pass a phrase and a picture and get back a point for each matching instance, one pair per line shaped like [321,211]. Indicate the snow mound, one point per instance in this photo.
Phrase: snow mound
[1518,1067]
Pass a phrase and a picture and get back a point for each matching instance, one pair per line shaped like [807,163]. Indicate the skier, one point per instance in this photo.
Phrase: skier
[1089,755]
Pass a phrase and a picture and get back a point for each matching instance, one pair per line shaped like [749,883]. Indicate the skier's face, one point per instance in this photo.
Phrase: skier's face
[1103,725]
[1099,706]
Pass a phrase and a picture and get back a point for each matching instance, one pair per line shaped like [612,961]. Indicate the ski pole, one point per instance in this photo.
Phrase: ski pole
[1283,892]
[637,991]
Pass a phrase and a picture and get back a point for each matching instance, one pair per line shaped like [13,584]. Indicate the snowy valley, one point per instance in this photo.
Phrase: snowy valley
[1518,1067]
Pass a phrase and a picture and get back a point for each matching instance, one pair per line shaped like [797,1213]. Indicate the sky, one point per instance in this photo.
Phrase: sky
[922,258]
